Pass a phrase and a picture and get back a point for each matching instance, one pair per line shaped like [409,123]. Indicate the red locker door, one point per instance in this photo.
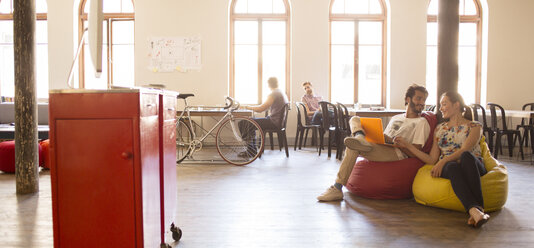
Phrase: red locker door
[95,171]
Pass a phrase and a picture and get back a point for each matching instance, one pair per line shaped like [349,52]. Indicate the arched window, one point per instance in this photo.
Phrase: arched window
[259,48]
[358,51]
[7,69]
[469,51]
[118,64]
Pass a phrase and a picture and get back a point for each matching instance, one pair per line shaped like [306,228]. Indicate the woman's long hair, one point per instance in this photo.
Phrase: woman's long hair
[455,97]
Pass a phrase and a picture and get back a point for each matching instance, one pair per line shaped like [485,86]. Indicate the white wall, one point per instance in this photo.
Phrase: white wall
[510,55]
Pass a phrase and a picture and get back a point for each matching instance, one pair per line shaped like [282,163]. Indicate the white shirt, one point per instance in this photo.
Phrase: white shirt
[413,130]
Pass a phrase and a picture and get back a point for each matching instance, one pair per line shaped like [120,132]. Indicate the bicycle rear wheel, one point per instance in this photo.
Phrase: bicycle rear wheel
[184,137]
[239,140]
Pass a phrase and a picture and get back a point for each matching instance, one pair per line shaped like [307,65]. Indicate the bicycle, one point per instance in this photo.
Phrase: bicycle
[239,140]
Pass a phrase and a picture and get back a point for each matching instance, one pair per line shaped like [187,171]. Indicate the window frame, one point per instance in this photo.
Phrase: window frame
[38,17]
[356,18]
[108,18]
[477,19]
[260,18]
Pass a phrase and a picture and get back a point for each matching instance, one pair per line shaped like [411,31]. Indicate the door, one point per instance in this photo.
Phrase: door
[95,178]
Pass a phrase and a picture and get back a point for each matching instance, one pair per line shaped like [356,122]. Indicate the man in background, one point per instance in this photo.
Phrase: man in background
[311,102]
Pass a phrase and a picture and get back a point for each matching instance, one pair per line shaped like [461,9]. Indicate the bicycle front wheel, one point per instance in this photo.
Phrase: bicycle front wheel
[239,140]
[184,136]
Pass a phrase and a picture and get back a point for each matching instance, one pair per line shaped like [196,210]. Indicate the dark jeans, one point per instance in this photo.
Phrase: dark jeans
[248,132]
[317,118]
[465,179]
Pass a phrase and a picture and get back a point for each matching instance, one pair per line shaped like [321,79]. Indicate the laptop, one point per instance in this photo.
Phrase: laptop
[374,132]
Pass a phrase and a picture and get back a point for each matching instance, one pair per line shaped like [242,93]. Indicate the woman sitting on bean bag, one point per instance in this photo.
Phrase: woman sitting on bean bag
[457,155]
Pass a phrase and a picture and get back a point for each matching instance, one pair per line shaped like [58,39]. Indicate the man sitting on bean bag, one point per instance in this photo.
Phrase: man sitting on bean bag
[411,126]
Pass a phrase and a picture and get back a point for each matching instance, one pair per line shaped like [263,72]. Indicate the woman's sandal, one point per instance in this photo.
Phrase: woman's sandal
[482,221]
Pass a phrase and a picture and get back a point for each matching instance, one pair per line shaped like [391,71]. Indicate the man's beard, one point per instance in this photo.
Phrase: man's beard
[414,107]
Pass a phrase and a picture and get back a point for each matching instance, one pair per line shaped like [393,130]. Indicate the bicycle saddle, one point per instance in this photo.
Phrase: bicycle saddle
[184,96]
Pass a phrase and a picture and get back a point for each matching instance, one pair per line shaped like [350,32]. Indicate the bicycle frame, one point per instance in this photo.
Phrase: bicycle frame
[186,113]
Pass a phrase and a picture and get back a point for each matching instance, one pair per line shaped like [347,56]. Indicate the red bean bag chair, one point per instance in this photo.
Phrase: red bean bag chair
[388,180]
[7,156]
[44,161]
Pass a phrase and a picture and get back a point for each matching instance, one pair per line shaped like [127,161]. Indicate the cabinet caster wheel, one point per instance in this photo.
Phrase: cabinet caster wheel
[176,232]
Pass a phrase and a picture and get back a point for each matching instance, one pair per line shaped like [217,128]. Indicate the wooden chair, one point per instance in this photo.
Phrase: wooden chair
[512,135]
[280,132]
[304,126]
[488,132]
[330,125]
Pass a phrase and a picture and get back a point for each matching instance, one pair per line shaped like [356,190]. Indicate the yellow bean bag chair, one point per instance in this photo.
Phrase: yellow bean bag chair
[437,192]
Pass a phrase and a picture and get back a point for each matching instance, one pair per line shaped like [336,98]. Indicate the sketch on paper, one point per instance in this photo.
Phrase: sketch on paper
[168,54]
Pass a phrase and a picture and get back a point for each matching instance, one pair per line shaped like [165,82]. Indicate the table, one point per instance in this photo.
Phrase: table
[375,113]
[217,112]
[514,113]
[7,131]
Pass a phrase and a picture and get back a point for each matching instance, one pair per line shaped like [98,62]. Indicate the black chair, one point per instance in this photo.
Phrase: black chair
[512,135]
[488,132]
[527,126]
[330,125]
[280,132]
[344,128]
[430,108]
[303,127]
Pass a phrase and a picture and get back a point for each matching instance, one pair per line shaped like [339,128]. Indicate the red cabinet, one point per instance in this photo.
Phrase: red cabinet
[107,173]
[169,188]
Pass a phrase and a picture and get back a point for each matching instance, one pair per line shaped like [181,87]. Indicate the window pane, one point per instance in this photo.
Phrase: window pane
[470,7]
[370,33]
[433,7]
[279,7]
[431,74]
[338,7]
[274,65]
[86,7]
[260,6]
[111,6]
[123,32]
[432,33]
[342,33]
[5,6]
[356,6]
[246,32]
[468,34]
[342,67]
[375,7]
[42,71]
[91,81]
[240,6]
[41,32]
[123,65]
[6,32]
[461,7]
[467,73]
[7,71]
[246,73]
[370,74]
[274,32]
[127,6]
[40,7]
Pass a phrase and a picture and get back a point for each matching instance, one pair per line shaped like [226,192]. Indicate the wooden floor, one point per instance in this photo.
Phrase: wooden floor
[271,203]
